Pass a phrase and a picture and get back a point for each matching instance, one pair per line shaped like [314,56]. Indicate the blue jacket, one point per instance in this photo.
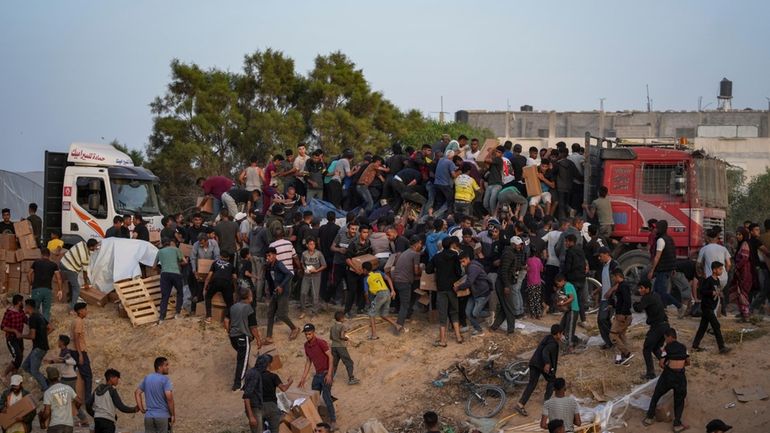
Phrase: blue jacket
[278,275]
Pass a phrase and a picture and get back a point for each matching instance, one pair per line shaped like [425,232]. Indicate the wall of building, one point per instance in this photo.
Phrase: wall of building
[745,142]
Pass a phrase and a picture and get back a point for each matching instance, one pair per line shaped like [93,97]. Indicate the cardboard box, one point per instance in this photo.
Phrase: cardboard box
[26,266]
[284,427]
[25,288]
[33,254]
[10,256]
[531,181]
[186,249]
[301,425]
[359,261]
[14,270]
[463,293]
[22,228]
[208,208]
[305,408]
[428,282]
[155,236]
[13,284]
[424,299]
[295,393]
[489,145]
[93,296]
[8,242]
[23,407]
[28,241]
[204,265]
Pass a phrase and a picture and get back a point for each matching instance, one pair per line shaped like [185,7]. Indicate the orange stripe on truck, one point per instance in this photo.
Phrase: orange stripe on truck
[89,221]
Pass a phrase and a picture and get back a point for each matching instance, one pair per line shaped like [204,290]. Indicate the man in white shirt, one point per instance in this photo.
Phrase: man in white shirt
[713,252]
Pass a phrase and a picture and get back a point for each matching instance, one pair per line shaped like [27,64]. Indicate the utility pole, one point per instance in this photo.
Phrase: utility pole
[507,118]
[441,112]
[649,101]
[700,102]
[768,102]
[601,104]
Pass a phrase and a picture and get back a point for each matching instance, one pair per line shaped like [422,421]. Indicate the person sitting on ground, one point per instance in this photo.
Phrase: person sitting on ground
[430,419]
[11,396]
[673,363]
[339,347]
[380,287]
[543,362]
[105,401]
[561,407]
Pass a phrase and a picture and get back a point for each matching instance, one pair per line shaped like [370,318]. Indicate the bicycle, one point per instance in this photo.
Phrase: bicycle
[515,373]
[484,400]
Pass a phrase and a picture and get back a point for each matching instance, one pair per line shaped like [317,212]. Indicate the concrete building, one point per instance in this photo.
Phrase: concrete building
[741,138]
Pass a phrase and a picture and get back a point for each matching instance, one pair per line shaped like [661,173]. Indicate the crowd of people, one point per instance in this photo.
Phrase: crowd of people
[496,255]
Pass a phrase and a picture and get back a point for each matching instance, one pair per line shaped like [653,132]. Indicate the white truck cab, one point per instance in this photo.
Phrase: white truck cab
[86,188]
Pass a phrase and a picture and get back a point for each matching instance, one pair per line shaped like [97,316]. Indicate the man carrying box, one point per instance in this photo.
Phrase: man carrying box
[319,355]
[10,397]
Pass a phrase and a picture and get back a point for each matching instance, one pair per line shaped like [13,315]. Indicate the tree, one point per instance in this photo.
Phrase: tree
[421,131]
[750,202]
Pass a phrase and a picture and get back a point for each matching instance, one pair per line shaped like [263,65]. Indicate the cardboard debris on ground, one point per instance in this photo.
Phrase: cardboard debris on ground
[750,393]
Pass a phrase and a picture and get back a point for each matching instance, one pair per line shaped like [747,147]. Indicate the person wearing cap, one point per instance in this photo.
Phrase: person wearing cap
[604,316]
[717,426]
[319,355]
[512,275]
[58,400]
[169,258]
[619,297]
[11,396]
[446,266]
[105,401]
[494,179]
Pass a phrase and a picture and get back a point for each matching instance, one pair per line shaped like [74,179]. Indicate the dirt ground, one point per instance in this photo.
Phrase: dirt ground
[396,372]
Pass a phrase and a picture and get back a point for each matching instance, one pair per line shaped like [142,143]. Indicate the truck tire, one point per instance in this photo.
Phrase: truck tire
[635,264]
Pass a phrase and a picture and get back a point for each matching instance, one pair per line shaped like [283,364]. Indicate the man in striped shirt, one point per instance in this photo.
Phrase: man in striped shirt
[284,249]
[74,262]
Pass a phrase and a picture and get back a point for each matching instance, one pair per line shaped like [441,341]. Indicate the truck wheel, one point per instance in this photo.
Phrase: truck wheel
[635,264]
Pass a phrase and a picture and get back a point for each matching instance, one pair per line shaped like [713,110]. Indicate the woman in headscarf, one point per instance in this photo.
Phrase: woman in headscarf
[742,280]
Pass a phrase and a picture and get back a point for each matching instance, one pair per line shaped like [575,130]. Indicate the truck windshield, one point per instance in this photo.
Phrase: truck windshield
[135,196]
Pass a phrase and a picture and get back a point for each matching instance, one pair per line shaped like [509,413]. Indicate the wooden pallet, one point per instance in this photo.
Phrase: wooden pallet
[141,299]
[534,427]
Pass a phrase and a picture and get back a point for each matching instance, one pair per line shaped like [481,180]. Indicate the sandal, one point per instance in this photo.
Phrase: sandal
[438,343]
[520,410]
[680,428]
[372,337]
[460,340]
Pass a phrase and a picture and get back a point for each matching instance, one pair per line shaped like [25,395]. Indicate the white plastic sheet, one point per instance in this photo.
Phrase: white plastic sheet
[118,259]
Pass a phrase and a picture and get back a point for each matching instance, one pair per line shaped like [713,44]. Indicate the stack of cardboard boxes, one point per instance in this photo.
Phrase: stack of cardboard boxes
[17,253]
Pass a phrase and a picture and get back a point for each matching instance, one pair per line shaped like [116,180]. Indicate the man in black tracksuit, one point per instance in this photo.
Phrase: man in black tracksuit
[673,378]
[543,362]
[658,321]
[709,295]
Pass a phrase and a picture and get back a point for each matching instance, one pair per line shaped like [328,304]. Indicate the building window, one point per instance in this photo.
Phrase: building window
[542,133]
[685,132]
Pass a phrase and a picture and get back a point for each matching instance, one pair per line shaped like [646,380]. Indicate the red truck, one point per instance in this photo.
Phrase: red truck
[671,182]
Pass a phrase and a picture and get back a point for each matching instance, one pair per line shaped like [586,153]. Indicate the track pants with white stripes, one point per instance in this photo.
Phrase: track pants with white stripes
[242,347]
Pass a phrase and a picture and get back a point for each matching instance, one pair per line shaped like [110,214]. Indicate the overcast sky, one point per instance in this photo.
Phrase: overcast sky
[86,71]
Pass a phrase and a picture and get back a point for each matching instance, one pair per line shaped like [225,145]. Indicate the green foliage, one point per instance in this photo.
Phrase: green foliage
[137,156]
[748,202]
[210,122]
[428,132]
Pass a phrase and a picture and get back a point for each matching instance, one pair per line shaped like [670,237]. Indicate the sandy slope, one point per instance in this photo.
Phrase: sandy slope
[396,372]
